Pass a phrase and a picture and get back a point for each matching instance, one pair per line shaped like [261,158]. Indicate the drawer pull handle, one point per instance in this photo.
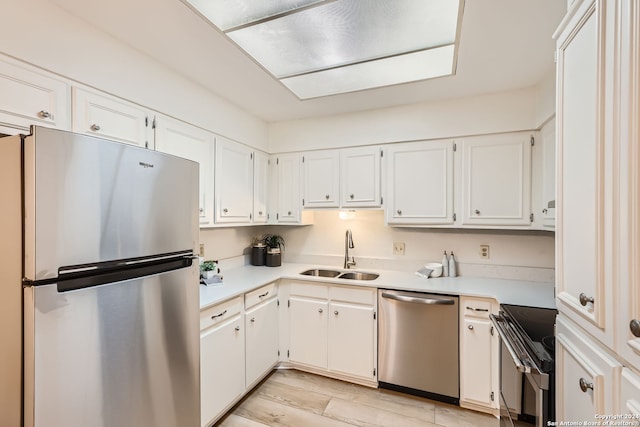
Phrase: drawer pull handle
[253,319]
[584,299]
[219,315]
[477,309]
[585,385]
[44,114]
[263,295]
[634,325]
[237,328]
[319,310]
[95,127]
[470,327]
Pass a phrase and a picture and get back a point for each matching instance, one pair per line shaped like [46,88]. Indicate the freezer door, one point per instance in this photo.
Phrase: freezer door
[121,354]
[89,200]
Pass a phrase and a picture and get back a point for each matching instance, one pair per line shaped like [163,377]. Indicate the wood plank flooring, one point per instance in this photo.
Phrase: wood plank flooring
[290,398]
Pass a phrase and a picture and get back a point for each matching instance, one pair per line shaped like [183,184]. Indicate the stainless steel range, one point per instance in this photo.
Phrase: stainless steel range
[527,380]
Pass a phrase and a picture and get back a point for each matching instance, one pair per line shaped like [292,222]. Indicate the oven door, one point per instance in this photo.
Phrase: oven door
[524,397]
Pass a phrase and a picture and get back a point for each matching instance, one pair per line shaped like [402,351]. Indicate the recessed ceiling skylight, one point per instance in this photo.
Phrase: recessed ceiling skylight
[318,48]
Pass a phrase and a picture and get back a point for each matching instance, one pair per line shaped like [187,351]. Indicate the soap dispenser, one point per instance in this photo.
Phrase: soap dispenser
[452,266]
[445,265]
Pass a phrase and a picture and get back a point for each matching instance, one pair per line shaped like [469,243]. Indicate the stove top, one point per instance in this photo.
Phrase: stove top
[535,329]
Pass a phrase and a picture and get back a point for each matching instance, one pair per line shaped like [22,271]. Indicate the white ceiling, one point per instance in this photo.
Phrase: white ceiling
[504,45]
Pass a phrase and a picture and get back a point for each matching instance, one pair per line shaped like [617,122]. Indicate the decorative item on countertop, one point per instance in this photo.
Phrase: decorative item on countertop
[424,272]
[210,273]
[436,269]
[258,251]
[452,266]
[445,265]
[275,244]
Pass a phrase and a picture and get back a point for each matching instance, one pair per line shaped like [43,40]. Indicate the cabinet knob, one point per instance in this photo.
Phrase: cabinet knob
[399,212]
[237,328]
[44,114]
[584,299]
[470,327]
[289,213]
[336,312]
[95,127]
[260,213]
[634,325]
[544,211]
[326,196]
[225,210]
[253,319]
[351,196]
[477,212]
[319,310]
[585,385]
[201,210]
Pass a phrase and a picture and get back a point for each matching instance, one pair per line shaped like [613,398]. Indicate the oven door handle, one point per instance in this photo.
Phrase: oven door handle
[521,367]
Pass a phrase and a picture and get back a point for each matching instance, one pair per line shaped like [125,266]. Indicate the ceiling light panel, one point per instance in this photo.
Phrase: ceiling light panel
[347,32]
[228,14]
[383,72]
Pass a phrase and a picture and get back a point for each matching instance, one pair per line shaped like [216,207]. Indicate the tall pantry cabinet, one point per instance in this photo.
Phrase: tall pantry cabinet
[598,210]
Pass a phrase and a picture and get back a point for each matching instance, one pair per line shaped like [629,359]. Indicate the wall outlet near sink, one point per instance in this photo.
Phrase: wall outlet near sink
[398,248]
[484,251]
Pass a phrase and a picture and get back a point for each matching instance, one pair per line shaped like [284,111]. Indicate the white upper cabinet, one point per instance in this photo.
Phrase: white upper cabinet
[112,118]
[496,180]
[288,203]
[548,179]
[189,142]
[581,221]
[420,183]
[321,171]
[31,98]
[260,187]
[360,177]
[233,182]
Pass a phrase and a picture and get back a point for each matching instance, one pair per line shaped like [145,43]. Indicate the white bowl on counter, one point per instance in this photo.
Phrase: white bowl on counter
[436,269]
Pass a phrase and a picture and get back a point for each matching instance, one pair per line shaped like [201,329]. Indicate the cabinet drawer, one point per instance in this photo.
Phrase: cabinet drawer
[352,294]
[261,294]
[629,393]
[219,313]
[472,307]
[309,290]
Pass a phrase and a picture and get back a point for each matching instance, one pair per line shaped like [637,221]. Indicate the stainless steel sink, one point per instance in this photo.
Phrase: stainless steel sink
[321,273]
[358,275]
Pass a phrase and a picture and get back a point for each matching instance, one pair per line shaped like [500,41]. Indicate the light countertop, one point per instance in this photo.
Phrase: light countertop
[240,280]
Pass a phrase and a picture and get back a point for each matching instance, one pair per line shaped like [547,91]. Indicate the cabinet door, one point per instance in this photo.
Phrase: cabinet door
[222,368]
[308,327]
[360,177]
[321,170]
[548,148]
[260,187]
[233,182]
[351,344]
[420,183]
[496,180]
[31,98]
[183,140]
[289,202]
[108,117]
[629,394]
[580,256]
[262,340]
[477,360]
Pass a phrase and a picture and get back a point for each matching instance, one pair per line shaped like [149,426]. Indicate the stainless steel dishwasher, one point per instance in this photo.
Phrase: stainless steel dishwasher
[418,344]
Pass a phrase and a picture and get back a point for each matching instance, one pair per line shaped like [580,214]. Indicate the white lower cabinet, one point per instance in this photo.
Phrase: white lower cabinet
[261,326]
[479,355]
[586,375]
[333,331]
[629,394]
[222,359]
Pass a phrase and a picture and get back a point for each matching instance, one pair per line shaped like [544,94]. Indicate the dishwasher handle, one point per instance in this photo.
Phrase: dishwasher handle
[419,299]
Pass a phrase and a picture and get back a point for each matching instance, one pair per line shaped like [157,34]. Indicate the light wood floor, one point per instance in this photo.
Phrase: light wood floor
[289,398]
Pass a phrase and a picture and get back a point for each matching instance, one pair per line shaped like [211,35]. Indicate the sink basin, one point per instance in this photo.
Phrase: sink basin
[358,275]
[321,273]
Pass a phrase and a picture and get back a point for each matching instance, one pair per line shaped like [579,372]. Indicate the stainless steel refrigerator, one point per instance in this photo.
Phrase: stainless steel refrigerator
[99,289]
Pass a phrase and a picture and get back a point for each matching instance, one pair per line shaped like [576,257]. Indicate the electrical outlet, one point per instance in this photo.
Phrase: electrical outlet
[398,248]
[202,250]
[484,251]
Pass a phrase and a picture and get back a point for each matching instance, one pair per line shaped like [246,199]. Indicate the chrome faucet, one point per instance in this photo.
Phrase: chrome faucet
[348,244]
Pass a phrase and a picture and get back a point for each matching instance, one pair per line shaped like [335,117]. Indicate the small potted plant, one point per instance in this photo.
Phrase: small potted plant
[208,269]
[274,244]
